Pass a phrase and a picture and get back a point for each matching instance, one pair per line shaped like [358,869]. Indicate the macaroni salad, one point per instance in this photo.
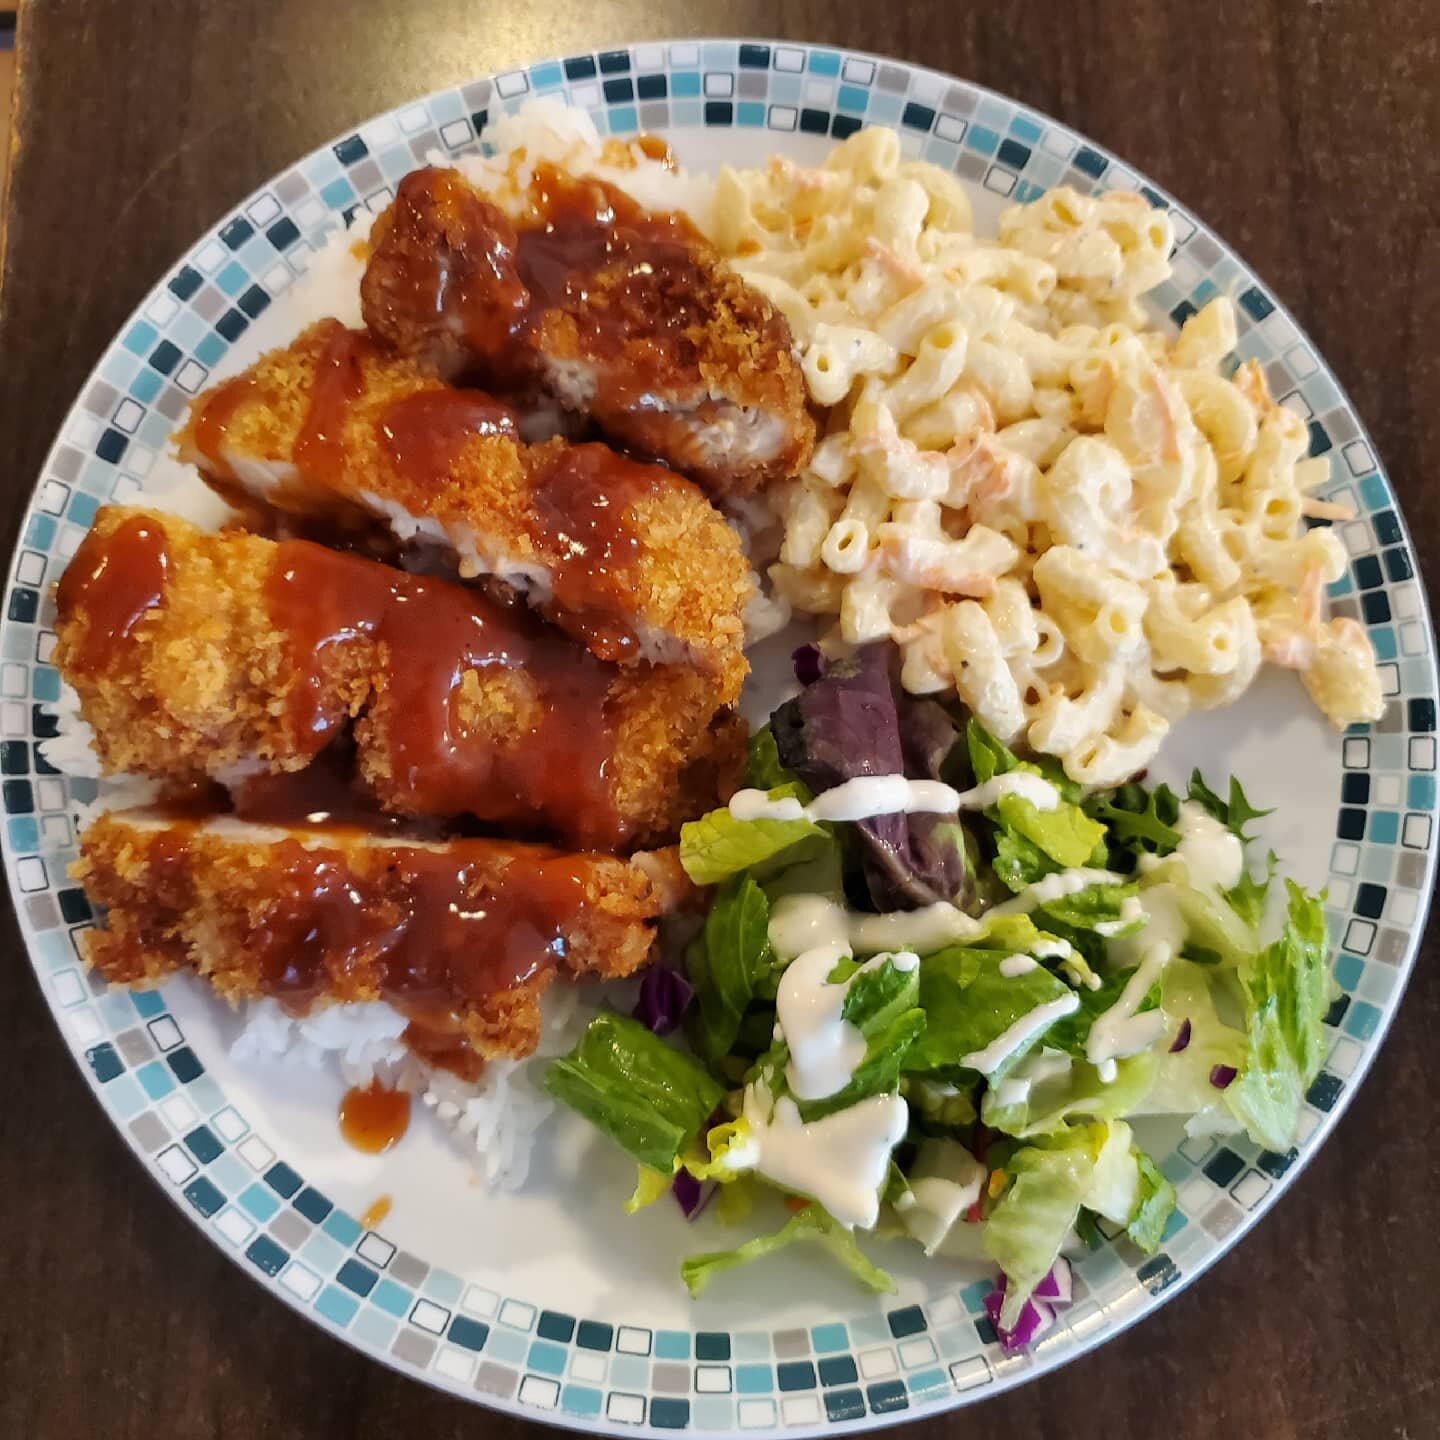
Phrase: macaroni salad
[1082,526]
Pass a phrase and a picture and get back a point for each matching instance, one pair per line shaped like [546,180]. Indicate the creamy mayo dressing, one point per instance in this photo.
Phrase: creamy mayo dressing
[1121,1031]
[1056,887]
[1020,1033]
[1013,966]
[1033,1070]
[800,922]
[825,1048]
[1051,947]
[840,1160]
[1213,856]
[871,795]
[1131,910]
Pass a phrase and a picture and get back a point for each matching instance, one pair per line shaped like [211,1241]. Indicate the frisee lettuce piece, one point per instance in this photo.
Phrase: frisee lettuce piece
[1235,814]
[968,1004]
[1049,1181]
[1137,819]
[718,845]
[1287,989]
[1248,898]
[628,1083]
[814,1224]
[1153,1206]
[728,965]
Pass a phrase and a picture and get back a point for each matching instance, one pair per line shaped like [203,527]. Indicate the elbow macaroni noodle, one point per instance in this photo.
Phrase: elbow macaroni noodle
[1084,528]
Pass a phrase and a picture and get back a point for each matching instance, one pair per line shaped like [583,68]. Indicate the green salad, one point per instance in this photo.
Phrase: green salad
[935,984]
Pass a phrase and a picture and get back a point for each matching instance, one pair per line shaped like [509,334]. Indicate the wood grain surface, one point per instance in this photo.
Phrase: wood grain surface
[1304,131]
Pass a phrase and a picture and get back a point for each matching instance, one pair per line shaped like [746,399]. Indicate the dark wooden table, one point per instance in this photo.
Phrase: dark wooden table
[1305,131]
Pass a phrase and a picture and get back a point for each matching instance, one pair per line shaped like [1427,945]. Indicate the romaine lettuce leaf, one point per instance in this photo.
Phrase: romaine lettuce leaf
[813,1223]
[945,1179]
[1153,1205]
[1048,1183]
[763,770]
[718,845]
[1287,991]
[1065,1095]
[968,1004]
[728,965]
[1065,835]
[633,1087]
[1181,1083]
[881,1003]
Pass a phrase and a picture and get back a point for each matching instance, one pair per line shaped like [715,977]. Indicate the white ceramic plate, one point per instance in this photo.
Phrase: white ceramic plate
[550,1302]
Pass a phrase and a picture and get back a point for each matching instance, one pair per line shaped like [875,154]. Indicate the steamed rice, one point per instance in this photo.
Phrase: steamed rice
[497,1118]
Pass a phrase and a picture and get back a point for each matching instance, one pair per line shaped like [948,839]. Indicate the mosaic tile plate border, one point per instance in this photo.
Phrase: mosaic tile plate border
[598,1373]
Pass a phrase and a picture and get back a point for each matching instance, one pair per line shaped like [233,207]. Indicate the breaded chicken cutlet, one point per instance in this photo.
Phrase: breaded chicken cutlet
[624,316]
[630,559]
[463,937]
[229,655]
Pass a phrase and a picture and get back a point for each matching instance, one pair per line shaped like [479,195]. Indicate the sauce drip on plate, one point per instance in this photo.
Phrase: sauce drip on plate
[373,1119]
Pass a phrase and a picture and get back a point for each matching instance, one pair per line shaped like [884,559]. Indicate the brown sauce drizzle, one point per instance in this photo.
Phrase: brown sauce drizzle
[376,1212]
[424,431]
[217,413]
[432,931]
[113,580]
[548,758]
[583,518]
[372,1119]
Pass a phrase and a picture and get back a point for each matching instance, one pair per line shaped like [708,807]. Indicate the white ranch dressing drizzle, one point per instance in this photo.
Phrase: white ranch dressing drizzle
[1013,966]
[1131,910]
[840,1160]
[1213,855]
[1020,1033]
[1051,947]
[825,1048]
[800,922]
[1056,887]
[869,795]
[1121,1030]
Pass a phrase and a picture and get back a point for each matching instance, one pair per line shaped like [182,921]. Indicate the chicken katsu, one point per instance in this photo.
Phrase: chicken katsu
[229,656]
[630,559]
[624,316]
[462,937]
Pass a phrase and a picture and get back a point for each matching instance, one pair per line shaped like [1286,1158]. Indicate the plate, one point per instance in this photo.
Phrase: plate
[550,1303]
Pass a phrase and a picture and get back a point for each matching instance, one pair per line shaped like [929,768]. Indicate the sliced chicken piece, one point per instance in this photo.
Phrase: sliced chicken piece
[628,317]
[335,430]
[462,936]
[231,657]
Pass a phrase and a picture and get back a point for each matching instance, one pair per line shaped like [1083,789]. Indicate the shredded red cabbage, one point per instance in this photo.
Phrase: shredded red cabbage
[809,663]
[1038,1315]
[1222,1075]
[1183,1038]
[691,1195]
[1057,1286]
[664,996]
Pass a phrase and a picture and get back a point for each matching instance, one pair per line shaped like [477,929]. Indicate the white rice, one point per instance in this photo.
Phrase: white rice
[497,1119]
